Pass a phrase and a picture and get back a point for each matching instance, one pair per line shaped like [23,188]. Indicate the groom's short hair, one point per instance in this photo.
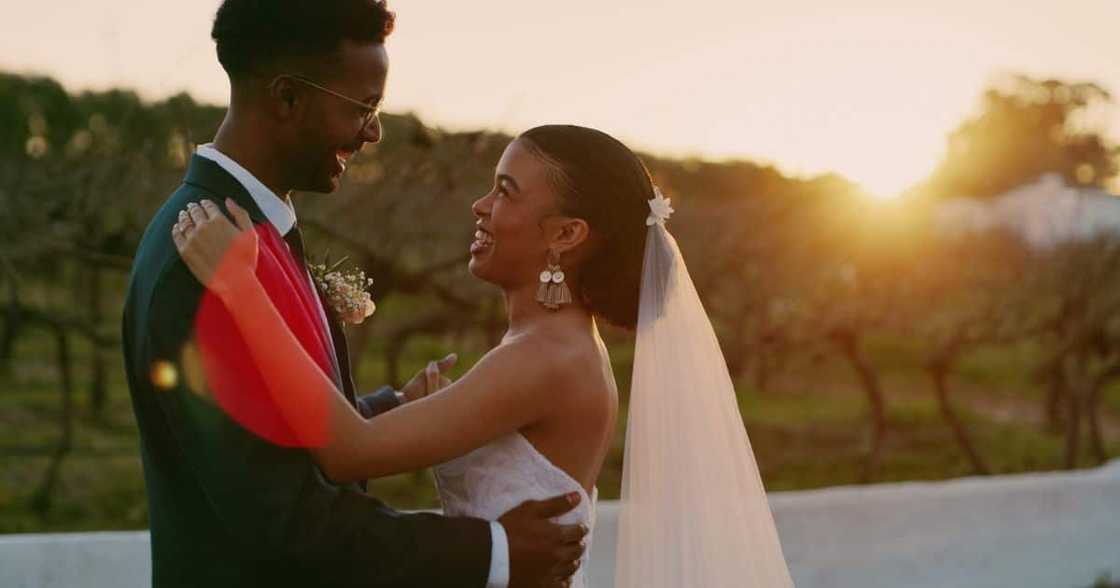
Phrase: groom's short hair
[251,34]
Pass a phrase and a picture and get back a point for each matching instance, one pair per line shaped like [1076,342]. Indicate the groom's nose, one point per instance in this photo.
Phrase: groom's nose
[372,132]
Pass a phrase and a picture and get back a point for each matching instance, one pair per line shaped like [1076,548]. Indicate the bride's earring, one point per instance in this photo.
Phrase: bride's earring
[553,292]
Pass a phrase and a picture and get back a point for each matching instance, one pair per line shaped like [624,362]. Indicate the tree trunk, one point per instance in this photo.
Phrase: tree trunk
[940,375]
[762,370]
[1073,418]
[8,337]
[13,319]
[98,389]
[393,349]
[739,350]
[849,344]
[42,497]
[1055,397]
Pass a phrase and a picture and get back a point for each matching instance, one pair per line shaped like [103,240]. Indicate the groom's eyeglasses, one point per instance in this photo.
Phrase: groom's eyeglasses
[369,111]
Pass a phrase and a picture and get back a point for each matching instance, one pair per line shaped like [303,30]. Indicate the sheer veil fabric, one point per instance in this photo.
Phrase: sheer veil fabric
[694,511]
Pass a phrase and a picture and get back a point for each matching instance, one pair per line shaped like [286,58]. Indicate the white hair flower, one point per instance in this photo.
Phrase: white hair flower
[660,208]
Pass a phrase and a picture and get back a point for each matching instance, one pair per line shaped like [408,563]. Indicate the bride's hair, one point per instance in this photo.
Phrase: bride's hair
[603,182]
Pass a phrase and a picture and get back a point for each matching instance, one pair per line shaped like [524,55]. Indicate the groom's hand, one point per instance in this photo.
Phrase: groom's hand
[429,380]
[541,552]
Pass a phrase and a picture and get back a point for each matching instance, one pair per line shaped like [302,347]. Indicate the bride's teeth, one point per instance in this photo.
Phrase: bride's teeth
[483,238]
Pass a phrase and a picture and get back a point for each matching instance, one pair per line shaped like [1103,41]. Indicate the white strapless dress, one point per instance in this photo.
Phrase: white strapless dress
[489,481]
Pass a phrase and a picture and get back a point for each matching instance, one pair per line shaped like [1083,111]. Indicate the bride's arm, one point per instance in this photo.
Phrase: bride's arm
[489,401]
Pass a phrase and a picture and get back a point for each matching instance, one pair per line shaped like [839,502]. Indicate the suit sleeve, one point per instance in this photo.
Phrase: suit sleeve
[275,499]
[375,403]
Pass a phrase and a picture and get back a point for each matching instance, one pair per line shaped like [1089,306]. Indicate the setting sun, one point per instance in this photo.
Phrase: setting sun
[868,90]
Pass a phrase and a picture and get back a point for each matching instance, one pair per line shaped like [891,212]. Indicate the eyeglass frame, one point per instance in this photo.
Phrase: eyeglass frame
[371,112]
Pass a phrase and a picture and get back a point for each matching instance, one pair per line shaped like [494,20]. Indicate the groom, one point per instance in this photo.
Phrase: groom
[233,502]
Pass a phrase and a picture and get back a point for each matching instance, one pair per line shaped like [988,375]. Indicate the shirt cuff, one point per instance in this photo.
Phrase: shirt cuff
[499,557]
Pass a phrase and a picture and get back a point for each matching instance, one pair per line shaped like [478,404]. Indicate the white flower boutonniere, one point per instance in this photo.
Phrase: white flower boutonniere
[346,291]
[660,208]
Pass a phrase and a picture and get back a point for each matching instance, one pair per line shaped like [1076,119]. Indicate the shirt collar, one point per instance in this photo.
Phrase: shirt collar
[278,211]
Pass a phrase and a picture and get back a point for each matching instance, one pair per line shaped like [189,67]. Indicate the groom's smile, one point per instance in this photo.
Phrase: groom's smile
[342,157]
[343,112]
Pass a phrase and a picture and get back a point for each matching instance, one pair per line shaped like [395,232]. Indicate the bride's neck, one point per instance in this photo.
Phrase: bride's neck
[525,313]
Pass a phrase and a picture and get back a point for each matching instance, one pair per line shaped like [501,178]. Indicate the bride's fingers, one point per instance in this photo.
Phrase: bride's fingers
[212,211]
[178,237]
[185,219]
[240,216]
[197,213]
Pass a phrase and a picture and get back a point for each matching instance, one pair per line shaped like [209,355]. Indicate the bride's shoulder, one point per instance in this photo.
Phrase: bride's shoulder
[527,354]
[563,363]
[543,360]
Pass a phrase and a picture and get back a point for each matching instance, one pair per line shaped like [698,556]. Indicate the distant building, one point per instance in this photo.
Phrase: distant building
[1044,214]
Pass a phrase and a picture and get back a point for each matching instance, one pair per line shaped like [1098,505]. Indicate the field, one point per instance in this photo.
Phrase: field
[808,430]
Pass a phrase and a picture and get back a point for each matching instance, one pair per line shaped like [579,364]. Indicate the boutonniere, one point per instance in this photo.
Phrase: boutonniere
[346,291]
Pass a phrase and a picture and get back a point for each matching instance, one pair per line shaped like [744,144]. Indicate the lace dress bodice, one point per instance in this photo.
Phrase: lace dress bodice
[489,481]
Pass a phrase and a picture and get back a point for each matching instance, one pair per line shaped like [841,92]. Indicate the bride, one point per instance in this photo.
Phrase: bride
[572,231]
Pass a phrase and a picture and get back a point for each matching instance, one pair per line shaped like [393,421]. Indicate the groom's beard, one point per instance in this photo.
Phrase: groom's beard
[322,171]
[313,171]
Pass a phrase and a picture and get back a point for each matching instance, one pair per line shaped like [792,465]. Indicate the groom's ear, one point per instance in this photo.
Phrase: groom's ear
[284,98]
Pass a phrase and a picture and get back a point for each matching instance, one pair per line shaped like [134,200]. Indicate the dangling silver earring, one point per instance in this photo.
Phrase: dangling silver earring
[553,292]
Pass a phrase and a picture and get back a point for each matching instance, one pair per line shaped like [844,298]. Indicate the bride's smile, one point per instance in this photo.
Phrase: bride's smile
[515,221]
[482,240]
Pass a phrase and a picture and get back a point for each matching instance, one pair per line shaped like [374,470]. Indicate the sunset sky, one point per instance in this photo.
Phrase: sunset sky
[867,88]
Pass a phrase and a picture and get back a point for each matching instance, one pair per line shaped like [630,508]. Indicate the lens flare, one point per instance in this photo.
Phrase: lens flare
[164,375]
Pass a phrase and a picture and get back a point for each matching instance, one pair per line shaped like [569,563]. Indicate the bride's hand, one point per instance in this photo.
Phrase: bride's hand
[429,380]
[220,254]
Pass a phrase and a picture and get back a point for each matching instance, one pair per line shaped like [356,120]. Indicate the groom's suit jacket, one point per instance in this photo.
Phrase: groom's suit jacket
[232,500]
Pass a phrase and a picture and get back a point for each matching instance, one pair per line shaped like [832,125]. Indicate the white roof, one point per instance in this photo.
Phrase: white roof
[1045,213]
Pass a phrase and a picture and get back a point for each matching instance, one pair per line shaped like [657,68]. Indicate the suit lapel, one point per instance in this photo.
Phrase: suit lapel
[341,347]
[210,177]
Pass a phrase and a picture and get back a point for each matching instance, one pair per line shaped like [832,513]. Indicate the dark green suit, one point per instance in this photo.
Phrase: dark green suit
[231,509]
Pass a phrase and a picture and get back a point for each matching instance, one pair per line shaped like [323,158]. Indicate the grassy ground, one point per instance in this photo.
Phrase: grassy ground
[808,430]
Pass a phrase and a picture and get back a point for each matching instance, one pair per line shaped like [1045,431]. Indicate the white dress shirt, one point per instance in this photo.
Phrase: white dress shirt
[282,215]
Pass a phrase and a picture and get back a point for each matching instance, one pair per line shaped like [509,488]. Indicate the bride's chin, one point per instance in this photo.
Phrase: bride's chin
[475,267]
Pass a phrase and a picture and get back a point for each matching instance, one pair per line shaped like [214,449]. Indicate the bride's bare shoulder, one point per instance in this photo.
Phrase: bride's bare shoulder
[538,355]
[557,367]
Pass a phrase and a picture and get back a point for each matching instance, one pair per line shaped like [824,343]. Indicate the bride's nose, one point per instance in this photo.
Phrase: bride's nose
[481,207]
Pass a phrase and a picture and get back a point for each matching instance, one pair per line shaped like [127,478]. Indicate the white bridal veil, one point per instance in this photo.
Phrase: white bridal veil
[694,511]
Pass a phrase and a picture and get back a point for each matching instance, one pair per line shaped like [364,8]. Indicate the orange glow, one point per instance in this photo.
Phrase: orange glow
[259,366]
[193,370]
[866,88]
[164,375]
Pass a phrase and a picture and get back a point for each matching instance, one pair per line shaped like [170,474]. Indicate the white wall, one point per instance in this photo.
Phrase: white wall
[1048,530]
